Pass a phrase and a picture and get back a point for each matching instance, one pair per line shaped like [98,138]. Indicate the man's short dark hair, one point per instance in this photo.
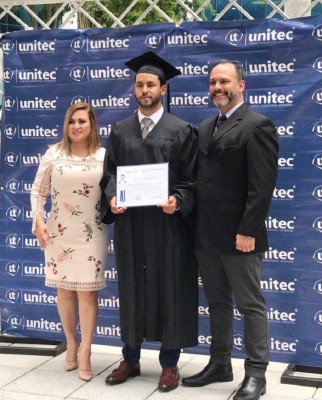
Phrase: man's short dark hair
[238,67]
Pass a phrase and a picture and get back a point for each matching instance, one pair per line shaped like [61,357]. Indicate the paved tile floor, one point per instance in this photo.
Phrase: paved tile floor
[31,377]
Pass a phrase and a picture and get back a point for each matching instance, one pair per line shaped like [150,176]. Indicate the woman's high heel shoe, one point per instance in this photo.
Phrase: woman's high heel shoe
[70,365]
[85,375]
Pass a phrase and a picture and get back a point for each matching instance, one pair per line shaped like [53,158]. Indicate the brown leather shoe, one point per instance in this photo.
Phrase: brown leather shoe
[169,379]
[122,372]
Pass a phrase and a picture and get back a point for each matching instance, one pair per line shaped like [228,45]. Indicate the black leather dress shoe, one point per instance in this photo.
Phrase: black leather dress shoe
[251,389]
[211,373]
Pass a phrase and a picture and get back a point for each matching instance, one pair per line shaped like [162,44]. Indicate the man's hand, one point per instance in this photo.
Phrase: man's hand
[171,206]
[245,244]
[115,209]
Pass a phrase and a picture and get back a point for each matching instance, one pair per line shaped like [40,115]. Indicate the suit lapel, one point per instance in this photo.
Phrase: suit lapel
[224,128]
[207,136]
[231,122]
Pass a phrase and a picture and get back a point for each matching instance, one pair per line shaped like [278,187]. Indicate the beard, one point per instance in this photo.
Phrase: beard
[230,97]
[147,102]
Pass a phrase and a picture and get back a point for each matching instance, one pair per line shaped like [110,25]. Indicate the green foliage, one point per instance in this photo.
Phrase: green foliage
[44,12]
[170,7]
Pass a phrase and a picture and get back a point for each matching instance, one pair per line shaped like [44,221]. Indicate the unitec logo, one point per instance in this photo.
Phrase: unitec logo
[317,128]
[9,103]
[13,213]
[79,99]
[318,317]
[10,131]
[317,33]
[317,224]
[318,348]
[318,286]
[318,256]
[317,65]
[317,161]
[77,44]
[153,40]
[13,240]
[7,75]
[12,295]
[15,321]
[238,342]
[7,46]
[317,193]
[11,159]
[77,73]
[317,96]
[12,268]
[234,37]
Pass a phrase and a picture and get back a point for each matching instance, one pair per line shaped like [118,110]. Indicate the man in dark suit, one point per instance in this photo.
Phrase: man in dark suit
[157,270]
[238,152]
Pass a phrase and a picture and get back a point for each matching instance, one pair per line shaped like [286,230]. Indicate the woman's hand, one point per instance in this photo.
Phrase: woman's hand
[42,234]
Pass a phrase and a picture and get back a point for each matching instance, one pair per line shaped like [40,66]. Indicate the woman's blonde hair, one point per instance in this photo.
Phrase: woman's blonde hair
[94,139]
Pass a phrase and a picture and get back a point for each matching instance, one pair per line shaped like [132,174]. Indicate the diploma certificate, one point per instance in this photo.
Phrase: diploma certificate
[142,185]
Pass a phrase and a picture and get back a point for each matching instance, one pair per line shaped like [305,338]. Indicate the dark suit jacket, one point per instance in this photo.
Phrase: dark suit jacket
[236,179]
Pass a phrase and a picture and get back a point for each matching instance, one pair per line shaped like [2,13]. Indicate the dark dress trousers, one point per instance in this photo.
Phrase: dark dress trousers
[236,178]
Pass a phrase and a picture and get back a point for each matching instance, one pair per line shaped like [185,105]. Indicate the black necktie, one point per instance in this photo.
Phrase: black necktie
[221,120]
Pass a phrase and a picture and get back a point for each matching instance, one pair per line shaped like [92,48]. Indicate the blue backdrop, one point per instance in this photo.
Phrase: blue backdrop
[46,71]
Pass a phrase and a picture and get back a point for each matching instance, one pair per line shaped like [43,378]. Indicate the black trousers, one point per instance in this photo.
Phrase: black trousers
[225,277]
[168,357]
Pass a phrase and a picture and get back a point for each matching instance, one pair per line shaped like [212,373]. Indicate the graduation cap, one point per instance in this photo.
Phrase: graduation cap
[151,63]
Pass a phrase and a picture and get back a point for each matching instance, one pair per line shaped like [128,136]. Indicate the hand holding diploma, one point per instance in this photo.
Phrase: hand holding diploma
[115,209]
[170,207]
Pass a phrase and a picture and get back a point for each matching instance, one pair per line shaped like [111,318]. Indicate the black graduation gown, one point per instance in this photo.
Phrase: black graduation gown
[157,271]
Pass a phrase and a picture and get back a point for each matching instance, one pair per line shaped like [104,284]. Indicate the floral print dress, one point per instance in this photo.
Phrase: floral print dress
[76,251]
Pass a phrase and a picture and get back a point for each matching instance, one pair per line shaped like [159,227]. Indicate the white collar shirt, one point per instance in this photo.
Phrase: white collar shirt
[155,117]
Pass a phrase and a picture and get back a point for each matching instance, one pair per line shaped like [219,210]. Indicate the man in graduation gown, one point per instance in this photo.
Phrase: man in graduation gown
[157,271]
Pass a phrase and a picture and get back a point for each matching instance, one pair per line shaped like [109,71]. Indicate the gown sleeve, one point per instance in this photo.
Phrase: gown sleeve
[108,181]
[185,185]
[41,186]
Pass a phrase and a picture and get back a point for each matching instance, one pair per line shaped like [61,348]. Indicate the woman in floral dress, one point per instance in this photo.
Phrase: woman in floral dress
[73,238]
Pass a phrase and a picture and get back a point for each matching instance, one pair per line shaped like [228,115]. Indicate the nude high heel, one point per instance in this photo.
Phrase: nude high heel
[85,375]
[71,365]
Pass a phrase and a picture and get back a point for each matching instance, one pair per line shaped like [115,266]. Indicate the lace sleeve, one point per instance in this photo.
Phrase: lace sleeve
[41,186]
